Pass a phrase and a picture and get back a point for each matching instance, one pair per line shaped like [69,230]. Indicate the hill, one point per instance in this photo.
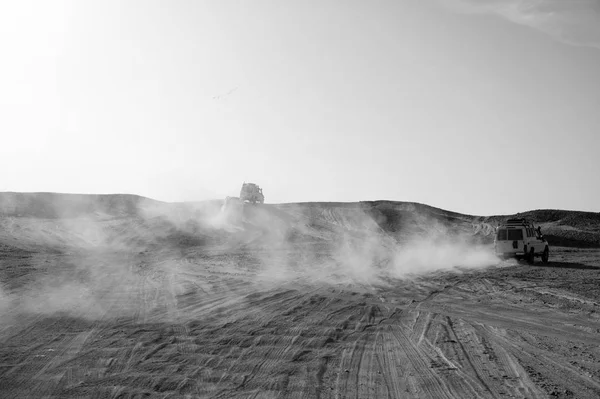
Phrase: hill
[79,219]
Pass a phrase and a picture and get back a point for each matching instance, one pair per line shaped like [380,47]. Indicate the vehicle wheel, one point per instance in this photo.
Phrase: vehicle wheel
[531,256]
[545,255]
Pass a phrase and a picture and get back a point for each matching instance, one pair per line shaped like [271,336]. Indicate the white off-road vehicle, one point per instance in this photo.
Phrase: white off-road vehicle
[518,238]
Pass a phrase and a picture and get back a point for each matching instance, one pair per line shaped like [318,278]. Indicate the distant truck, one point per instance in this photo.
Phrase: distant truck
[518,238]
[252,193]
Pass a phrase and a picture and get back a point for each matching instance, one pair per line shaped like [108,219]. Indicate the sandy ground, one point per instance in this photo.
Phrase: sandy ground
[210,319]
[212,327]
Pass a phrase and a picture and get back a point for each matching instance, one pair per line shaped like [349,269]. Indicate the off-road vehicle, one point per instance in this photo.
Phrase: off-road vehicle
[251,193]
[518,238]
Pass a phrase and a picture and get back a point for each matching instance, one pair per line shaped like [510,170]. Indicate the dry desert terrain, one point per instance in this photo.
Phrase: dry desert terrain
[120,296]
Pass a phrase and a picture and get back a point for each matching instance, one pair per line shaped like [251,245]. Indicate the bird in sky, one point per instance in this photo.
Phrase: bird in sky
[225,95]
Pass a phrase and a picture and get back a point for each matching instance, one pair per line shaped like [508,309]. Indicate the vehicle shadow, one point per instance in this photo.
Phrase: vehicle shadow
[566,265]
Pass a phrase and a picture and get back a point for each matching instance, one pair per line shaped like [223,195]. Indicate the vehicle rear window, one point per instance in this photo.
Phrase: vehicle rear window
[501,234]
[514,235]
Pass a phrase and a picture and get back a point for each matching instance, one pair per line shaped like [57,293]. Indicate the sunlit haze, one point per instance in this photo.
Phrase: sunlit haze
[481,107]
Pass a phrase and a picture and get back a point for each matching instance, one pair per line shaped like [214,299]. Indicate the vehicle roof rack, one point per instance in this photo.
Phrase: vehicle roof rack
[518,222]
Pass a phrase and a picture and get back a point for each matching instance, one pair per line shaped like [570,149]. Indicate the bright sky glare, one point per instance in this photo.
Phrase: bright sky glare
[481,107]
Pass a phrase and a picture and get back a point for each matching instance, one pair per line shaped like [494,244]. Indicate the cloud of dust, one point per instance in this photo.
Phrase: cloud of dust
[85,255]
[357,251]
[123,257]
[113,256]
[426,256]
[442,247]
[73,298]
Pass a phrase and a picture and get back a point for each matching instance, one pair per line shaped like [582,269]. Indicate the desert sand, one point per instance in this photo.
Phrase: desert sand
[122,296]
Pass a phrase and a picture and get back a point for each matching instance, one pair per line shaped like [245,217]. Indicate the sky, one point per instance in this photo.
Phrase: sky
[482,107]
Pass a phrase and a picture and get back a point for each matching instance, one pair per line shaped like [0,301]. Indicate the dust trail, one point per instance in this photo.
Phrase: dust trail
[105,256]
[356,250]
[425,256]
[81,252]
[112,255]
